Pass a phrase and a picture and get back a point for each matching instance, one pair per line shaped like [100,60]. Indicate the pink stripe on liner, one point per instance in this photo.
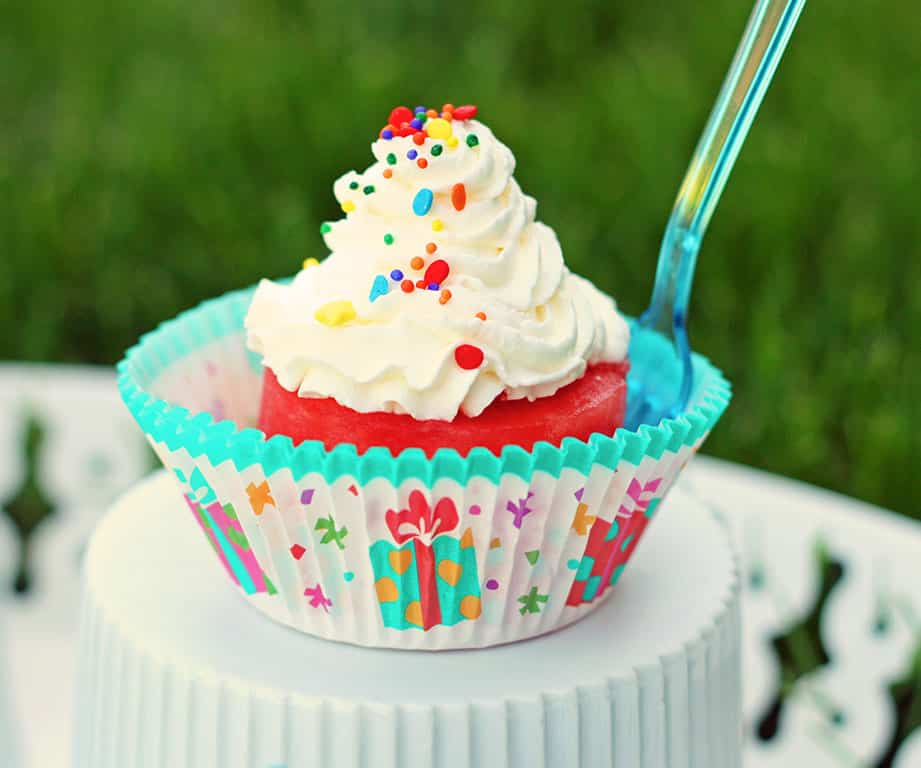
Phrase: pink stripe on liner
[197,514]
[225,523]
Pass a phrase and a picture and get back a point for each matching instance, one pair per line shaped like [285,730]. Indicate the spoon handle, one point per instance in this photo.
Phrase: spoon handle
[769,28]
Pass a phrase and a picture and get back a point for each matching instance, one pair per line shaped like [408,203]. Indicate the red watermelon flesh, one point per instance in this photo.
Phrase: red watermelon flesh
[594,403]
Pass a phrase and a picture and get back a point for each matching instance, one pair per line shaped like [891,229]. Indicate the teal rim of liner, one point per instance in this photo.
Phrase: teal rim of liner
[219,442]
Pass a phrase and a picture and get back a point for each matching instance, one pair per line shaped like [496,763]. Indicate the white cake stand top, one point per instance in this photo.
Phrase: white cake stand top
[658,661]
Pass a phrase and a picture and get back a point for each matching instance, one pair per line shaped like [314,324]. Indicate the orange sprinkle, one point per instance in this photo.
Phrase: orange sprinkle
[420,283]
[459,197]
[481,315]
[431,112]
[417,262]
[431,248]
[447,108]
[407,286]
[422,162]
[445,296]
[449,116]
[387,173]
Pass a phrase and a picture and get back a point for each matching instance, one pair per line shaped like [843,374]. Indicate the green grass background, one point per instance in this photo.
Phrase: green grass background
[155,154]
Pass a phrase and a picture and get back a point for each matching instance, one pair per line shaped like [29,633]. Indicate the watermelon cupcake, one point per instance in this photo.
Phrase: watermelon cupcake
[444,316]
[438,460]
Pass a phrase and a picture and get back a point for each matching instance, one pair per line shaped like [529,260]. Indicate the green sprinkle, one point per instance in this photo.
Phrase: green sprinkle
[388,238]
[369,189]
[391,159]
[325,227]
[436,150]
[354,184]
[472,140]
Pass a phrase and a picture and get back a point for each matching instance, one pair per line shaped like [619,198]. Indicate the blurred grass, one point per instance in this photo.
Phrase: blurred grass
[153,155]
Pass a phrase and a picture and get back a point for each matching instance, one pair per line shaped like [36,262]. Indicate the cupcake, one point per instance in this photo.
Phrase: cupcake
[444,316]
[417,443]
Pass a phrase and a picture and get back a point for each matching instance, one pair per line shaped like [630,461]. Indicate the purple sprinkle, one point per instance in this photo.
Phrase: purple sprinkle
[412,154]
[475,509]
[578,494]
[492,584]
[415,123]
[419,109]
[387,134]
[434,286]
[307,496]
[396,275]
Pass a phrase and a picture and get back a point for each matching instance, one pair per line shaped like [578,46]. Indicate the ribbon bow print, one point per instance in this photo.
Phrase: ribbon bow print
[420,521]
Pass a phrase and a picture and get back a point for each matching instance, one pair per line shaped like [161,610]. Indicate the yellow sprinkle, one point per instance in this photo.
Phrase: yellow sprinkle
[438,225]
[452,142]
[311,262]
[438,128]
[336,313]
[348,206]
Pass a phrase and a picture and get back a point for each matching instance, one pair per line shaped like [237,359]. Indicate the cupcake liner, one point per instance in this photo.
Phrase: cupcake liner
[399,551]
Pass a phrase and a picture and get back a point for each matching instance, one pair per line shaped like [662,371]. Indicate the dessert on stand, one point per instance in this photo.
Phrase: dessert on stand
[177,671]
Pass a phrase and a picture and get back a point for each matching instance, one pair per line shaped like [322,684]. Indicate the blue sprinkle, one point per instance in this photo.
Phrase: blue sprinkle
[415,123]
[396,275]
[422,202]
[419,109]
[434,286]
[380,287]
[412,154]
[387,134]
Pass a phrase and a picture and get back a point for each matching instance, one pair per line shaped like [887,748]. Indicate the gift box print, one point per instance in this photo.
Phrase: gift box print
[425,577]
[610,543]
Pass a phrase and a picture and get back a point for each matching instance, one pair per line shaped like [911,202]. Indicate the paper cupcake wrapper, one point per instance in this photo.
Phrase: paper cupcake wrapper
[399,551]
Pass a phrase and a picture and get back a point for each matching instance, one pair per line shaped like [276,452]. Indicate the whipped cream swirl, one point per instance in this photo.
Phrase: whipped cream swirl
[378,326]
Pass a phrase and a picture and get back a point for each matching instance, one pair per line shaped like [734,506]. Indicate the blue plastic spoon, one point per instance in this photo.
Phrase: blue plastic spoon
[766,36]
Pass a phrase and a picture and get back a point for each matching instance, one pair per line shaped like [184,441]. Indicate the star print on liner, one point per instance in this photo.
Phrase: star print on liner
[332,534]
[532,602]
[520,510]
[317,598]
[259,497]
[611,543]
[430,577]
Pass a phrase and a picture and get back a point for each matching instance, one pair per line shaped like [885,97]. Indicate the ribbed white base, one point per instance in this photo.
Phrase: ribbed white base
[177,672]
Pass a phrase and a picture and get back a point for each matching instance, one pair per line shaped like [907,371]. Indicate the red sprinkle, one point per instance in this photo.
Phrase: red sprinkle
[405,130]
[481,316]
[400,115]
[468,357]
[422,162]
[420,283]
[459,197]
[419,138]
[407,286]
[466,112]
[437,272]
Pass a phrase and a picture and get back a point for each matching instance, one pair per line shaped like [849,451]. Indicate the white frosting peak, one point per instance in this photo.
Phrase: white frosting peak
[333,333]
